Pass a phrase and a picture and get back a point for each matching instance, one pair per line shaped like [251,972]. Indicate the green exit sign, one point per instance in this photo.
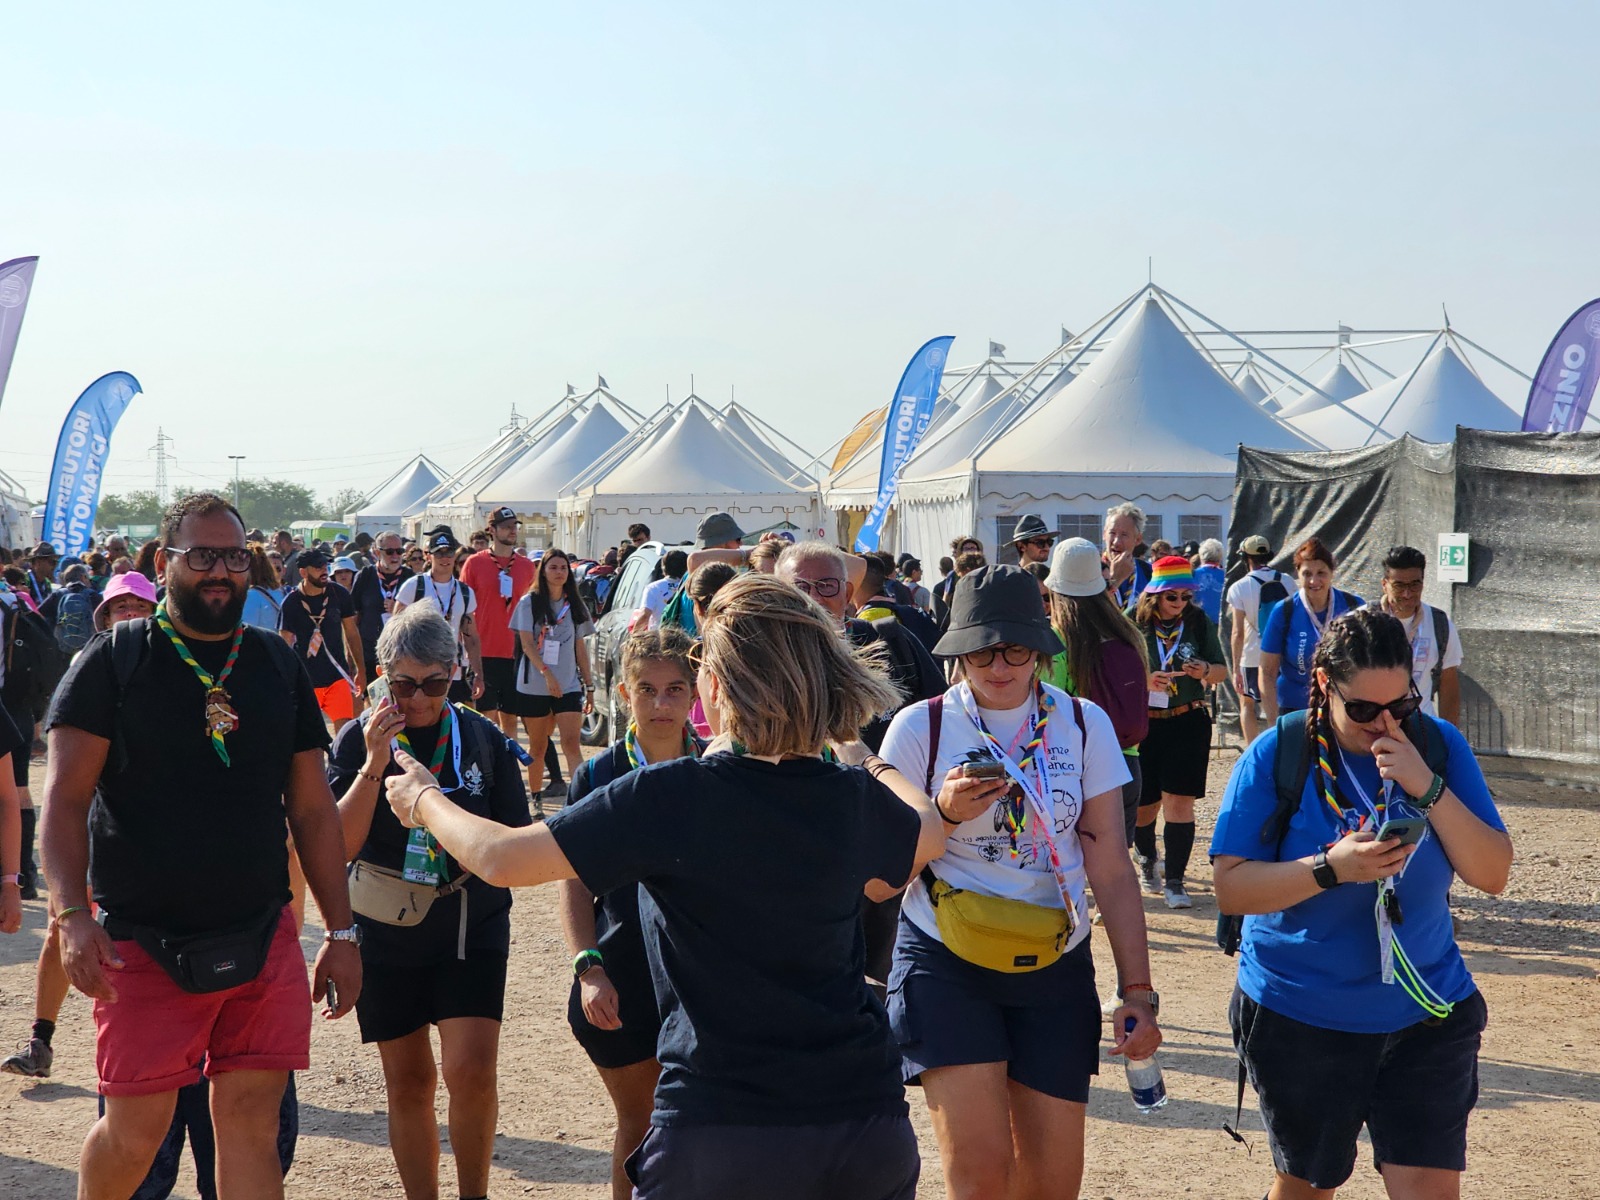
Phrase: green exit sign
[1453,555]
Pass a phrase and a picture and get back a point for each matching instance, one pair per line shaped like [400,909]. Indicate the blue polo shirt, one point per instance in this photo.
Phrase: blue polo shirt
[1317,961]
[1290,634]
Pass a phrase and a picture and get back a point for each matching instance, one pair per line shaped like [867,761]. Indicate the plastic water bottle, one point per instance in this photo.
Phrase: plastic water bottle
[1148,1088]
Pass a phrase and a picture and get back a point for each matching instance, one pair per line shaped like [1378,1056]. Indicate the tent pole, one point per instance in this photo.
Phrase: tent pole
[1379,426]
[1461,337]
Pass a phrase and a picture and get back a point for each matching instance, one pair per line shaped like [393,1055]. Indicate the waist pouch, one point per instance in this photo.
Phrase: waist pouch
[1002,935]
[204,962]
[389,898]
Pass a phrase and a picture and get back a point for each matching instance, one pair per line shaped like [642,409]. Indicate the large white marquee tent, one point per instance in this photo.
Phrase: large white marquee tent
[386,507]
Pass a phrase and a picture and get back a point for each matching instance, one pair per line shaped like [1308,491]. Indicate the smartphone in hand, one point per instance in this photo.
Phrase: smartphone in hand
[990,769]
[1408,829]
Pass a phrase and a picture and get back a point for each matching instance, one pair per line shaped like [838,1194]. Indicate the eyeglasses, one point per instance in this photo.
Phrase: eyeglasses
[203,558]
[1015,656]
[697,656]
[406,688]
[1183,596]
[1043,543]
[1408,586]
[826,588]
[1364,712]
[415,556]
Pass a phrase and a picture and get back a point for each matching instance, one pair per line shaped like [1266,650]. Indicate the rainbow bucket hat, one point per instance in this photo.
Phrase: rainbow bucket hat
[1171,574]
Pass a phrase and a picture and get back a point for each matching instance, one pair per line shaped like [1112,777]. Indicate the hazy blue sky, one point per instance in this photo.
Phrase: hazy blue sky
[329,235]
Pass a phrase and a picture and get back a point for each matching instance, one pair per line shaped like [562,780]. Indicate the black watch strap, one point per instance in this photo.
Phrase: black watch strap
[1323,872]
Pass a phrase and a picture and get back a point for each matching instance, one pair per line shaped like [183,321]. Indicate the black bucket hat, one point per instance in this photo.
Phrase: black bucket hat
[994,606]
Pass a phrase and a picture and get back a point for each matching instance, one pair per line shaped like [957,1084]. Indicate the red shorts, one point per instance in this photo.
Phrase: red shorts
[336,701]
[154,1037]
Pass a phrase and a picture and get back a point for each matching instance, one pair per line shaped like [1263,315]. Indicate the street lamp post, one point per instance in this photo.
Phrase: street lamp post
[237,459]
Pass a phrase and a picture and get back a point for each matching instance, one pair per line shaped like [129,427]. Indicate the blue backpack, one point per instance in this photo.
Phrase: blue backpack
[75,618]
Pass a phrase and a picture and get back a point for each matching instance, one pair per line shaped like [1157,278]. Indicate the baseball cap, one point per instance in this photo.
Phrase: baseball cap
[503,514]
[1256,546]
[442,541]
[311,557]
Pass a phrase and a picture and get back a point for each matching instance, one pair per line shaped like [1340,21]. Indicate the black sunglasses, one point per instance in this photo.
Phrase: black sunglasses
[407,688]
[1015,656]
[1045,542]
[1364,712]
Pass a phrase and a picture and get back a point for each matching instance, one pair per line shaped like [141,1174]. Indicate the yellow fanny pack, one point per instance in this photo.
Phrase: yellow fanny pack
[1003,935]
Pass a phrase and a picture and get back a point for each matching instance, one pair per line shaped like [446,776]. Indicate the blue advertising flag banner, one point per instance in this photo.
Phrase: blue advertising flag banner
[16,282]
[1564,384]
[80,460]
[907,421]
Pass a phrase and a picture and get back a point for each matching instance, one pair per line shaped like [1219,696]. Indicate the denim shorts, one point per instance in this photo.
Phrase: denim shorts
[1044,1025]
[1412,1089]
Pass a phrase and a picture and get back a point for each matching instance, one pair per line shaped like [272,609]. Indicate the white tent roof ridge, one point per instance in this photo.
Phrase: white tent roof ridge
[764,442]
[534,481]
[694,456]
[1337,384]
[651,427]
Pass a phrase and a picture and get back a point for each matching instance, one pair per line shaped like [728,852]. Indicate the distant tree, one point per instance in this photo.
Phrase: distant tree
[346,500]
[136,508]
[274,503]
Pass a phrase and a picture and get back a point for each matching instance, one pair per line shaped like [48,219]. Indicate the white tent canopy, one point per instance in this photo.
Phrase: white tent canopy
[1339,383]
[1428,403]
[387,504]
[679,471]
[755,435]
[1149,419]
[532,484]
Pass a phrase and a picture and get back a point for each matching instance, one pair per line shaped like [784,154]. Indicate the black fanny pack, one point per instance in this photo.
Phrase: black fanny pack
[204,962]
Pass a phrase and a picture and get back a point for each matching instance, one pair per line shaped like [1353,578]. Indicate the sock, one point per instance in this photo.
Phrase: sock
[44,1030]
[30,822]
[1144,841]
[1178,838]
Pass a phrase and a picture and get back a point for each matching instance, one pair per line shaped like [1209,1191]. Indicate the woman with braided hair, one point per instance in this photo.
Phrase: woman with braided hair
[1353,1005]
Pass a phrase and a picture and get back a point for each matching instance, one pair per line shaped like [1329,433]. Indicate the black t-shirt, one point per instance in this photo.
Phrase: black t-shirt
[753,874]
[177,840]
[368,593]
[302,615]
[496,790]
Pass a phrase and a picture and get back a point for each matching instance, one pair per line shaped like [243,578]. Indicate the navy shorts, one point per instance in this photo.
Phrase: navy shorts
[1044,1025]
[1413,1089]
[871,1158]
[396,1001]
[1252,682]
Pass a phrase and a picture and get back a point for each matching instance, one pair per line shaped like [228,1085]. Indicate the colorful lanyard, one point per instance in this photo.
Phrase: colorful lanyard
[1015,803]
[1317,626]
[635,752]
[221,719]
[1167,644]
[424,857]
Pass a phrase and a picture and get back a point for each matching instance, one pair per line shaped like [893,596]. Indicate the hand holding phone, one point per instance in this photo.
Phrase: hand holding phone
[1408,829]
[985,769]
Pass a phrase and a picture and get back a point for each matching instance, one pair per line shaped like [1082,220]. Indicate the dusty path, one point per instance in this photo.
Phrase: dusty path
[1535,952]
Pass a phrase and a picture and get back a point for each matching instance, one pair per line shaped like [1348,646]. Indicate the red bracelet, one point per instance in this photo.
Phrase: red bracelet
[1134,987]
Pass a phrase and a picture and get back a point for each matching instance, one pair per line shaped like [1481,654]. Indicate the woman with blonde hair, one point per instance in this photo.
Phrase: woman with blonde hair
[752,864]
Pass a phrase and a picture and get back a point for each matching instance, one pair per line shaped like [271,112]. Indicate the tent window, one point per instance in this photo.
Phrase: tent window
[1198,527]
[1079,525]
[1004,527]
[1152,529]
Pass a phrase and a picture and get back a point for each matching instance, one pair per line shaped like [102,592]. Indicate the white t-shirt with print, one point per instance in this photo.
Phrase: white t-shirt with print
[454,598]
[655,598]
[1425,653]
[978,853]
[1244,597]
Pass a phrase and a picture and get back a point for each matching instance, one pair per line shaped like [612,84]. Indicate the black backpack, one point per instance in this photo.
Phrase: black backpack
[1441,639]
[35,663]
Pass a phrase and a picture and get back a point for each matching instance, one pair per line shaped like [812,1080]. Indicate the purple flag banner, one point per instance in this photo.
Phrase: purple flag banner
[1564,384]
[16,281]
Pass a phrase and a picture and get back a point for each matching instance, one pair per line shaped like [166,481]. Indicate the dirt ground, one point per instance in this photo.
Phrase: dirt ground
[1536,1133]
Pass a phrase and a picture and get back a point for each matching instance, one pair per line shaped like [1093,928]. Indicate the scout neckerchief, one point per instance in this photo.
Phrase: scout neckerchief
[221,719]
[1167,646]
[1318,626]
[424,862]
[319,641]
[740,750]
[635,752]
[1125,588]
[1035,754]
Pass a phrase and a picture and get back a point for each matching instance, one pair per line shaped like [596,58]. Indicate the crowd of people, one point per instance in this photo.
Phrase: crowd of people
[893,812]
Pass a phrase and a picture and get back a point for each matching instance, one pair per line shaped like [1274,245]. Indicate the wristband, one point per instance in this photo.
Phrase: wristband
[948,820]
[586,961]
[5,879]
[67,912]
[377,779]
[411,813]
[1428,798]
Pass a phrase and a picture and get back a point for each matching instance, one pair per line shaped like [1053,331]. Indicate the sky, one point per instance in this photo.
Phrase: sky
[328,237]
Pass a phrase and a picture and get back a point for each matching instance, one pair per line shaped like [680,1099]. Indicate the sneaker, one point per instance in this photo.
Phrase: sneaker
[1150,875]
[1176,896]
[32,1059]
[556,789]
[1109,1008]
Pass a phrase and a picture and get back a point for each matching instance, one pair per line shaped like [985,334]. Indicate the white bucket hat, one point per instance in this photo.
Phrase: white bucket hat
[1075,569]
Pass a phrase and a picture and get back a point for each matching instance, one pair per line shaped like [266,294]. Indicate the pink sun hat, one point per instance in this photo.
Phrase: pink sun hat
[130,583]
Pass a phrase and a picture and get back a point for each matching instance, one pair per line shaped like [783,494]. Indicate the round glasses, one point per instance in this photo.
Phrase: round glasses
[826,588]
[202,558]
[1015,656]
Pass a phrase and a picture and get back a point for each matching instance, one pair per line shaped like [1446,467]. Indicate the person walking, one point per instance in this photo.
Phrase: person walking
[1002,1027]
[1290,634]
[1259,588]
[1345,1013]
[263,605]
[1435,645]
[1181,645]
[209,963]
[374,592]
[553,674]
[435,938]
[459,606]
[319,622]
[612,1006]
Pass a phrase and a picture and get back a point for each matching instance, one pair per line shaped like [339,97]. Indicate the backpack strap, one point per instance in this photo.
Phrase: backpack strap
[1290,768]
[1441,642]
[935,720]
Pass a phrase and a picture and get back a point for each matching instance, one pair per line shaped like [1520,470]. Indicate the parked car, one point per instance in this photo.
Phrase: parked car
[609,719]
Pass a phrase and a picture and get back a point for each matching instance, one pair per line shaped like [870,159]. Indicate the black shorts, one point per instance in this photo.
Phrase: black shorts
[1413,1090]
[1174,756]
[500,688]
[1252,682]
[543,706]
[397,1000]
[460,692]
[635,1042]
[1044,1025]
[22,717]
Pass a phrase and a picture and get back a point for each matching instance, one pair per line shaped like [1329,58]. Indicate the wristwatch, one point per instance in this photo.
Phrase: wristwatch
[1322,871]
[1152,997]
[353,934]
[586,961]
[5,879]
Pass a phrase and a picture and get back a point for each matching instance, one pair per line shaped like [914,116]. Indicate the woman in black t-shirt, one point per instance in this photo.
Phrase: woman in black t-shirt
[776,1058]
[612,1008]
[447,968]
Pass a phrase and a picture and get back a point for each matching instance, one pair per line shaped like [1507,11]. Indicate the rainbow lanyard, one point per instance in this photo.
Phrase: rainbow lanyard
[221,719]
[423,855]
[1015,803]
[635,752]
[1167,645]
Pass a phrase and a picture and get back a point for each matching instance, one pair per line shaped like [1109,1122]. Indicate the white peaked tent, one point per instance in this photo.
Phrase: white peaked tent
[1428,403]
[1149,419]
[456,504]
[16,520]
[1250,387]
[386,506]
[677,472]
[764,444]
[532,483]
[1338,384]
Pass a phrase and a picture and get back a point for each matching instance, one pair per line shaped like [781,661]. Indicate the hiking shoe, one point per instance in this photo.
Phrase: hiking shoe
[1176,896]
[1150,875]
[32,1059]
